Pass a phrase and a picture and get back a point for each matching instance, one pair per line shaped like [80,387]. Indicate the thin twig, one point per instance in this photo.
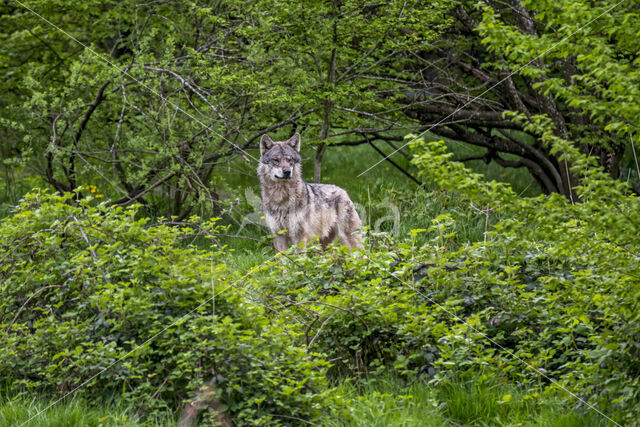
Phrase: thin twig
[204,230]
[322,326]
[633,149]
[153,396]
[27,301]
[93,253]
[397,166]
[334,306]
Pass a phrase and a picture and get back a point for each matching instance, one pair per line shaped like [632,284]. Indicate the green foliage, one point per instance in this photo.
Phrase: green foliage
[159,96]
[581,58]
[97,300]
[557,325]
[545,302]
[556,285]
[349,307]
[387,402]
[592,51]
[339,68]
[465,283]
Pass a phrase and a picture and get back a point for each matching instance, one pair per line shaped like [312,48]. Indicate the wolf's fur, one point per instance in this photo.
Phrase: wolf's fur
[296,211]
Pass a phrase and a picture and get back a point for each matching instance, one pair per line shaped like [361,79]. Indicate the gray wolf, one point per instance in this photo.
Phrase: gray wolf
[296,211]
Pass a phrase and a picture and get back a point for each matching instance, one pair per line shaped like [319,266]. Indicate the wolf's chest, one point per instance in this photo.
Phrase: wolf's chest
[287,217]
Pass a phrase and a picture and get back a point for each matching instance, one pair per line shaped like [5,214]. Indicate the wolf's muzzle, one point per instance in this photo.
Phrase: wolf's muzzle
[286,173]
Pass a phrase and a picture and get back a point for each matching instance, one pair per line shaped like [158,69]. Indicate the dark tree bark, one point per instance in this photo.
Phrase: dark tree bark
[465,96]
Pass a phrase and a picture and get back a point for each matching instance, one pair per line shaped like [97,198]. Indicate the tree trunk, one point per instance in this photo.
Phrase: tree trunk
[328,105]
[317,164]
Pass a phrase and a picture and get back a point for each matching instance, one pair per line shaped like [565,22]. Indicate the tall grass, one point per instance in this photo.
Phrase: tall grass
[478,401]
[35,412]
[383,402]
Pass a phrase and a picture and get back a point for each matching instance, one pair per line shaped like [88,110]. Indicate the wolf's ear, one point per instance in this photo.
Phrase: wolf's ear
[265,144]
[294,142]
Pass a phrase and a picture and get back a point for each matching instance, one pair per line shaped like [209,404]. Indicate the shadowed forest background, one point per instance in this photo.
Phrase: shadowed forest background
[490,148]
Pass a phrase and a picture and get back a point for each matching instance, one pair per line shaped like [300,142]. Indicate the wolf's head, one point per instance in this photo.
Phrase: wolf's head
[280,160]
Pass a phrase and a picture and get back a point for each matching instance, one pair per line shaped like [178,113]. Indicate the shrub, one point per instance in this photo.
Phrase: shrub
[365,310]
[556,286]
[543,316]
[97,302]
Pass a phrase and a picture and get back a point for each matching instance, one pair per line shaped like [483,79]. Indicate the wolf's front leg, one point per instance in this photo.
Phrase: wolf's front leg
[280,243]
[302,242]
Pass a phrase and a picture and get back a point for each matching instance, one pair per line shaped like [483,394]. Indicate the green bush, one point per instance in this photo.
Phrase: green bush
[96,301]
[556,287]
[551,321]
[347,306]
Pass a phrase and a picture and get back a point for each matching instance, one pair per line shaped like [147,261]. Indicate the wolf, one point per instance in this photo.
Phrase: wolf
[296,211]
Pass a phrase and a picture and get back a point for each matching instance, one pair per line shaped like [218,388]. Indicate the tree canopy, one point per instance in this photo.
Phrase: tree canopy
[152,98]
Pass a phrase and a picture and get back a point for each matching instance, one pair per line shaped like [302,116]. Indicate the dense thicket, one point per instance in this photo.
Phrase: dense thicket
[547,302]
[98,303]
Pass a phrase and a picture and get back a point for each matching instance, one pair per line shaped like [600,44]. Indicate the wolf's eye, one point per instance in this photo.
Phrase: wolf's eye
[275,162]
